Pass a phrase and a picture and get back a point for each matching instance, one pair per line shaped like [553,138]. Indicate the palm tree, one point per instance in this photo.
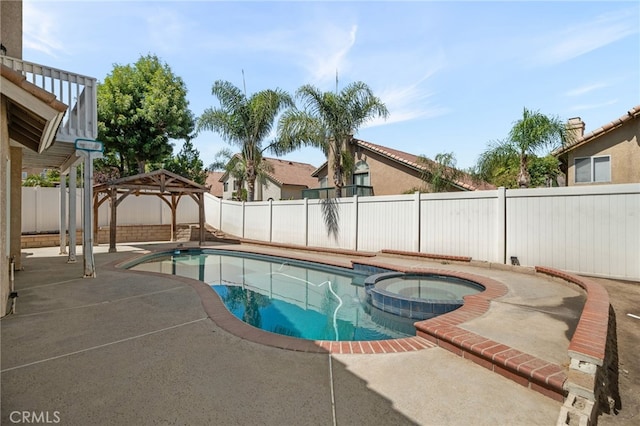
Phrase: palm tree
[440,173]
[236,166]
[329,121]
[529,135]
[245,122]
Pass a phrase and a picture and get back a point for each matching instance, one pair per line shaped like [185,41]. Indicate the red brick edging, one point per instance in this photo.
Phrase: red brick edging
[427,255]
[537,374]
[589,341]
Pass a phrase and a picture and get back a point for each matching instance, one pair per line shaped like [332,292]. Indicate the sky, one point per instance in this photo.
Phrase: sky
[454,75]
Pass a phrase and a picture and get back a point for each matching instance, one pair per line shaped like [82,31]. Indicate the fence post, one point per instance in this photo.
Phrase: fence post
[306,222]
[355,222]
[243,216]
[270,220]
[501,226]
[416,239]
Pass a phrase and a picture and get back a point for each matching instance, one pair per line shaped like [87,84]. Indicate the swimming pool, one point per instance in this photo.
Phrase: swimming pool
[285,296]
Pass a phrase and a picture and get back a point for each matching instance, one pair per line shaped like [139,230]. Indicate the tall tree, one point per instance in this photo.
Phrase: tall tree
[439,173]
[187,163]
[329,120]
[529,136]
[236,166]
[245,122]
[140,108]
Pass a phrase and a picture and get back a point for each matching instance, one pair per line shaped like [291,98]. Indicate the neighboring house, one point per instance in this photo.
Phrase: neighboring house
[214,184]
[285,181]
[609,154]
[389,171]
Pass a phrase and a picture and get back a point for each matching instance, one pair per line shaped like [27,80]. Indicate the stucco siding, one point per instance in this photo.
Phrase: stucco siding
[291,192]
[387,177]
[11,27]
[623,147]
[271,190]
[4,208]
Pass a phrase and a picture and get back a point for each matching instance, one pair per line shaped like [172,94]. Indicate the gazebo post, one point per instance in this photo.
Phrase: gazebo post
[113,195]
[174,225]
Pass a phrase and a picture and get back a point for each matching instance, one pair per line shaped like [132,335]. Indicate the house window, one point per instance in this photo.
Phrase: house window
[593,169]
[323,182]
[225,186]
[361,174]
[235,185]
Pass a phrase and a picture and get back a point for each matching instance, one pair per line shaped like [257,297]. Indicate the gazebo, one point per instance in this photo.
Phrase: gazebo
[170,187]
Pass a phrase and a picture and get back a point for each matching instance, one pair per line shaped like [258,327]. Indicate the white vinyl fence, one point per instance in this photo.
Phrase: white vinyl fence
[41,210]
[592,230]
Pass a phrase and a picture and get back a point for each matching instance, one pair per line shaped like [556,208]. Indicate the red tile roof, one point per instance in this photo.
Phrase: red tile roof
[214,184]
[632,113]
[286,172]
[465,181]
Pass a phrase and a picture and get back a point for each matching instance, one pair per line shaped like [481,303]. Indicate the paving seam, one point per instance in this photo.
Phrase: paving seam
[103,345]
[105,302]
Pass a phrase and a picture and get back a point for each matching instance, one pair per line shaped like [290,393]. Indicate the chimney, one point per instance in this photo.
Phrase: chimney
[575,125]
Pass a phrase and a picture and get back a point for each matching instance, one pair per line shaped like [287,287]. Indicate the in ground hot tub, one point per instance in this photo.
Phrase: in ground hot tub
[418,296]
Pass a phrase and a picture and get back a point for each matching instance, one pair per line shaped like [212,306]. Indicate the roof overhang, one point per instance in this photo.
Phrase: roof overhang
[601,131]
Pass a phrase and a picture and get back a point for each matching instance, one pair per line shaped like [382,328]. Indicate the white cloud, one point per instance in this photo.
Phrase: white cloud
[327,53]
[167,30]
[584,107]
[40,29]
[583,90]
[413,100]
[583,38]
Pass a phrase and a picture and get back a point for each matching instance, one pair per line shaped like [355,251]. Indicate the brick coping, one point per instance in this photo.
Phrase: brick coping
[589,341]
[542,376]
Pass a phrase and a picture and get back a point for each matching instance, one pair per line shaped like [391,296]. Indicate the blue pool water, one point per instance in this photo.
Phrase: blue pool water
[299,299]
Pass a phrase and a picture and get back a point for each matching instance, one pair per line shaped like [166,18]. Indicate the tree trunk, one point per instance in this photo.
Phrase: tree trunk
[251,180]
[524,180]
[251,185]
[337,178]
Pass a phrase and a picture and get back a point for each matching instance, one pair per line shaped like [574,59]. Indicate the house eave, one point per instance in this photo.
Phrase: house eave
[34,115]
[601,131]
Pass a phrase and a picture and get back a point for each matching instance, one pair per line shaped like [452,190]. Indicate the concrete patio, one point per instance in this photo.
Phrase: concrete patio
[124,348]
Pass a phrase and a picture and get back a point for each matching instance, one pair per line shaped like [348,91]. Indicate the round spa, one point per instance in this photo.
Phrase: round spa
[418,296]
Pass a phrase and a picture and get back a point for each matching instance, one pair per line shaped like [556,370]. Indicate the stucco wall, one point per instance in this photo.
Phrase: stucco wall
[388,177]
[268,191]
[262,192]
[11,27]
[622,145]
[4,207]
[291,192]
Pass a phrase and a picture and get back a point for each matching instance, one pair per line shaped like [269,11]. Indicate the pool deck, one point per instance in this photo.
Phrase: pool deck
[138,348]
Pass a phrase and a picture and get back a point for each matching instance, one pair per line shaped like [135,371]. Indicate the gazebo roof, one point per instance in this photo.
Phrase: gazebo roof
[156,182]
